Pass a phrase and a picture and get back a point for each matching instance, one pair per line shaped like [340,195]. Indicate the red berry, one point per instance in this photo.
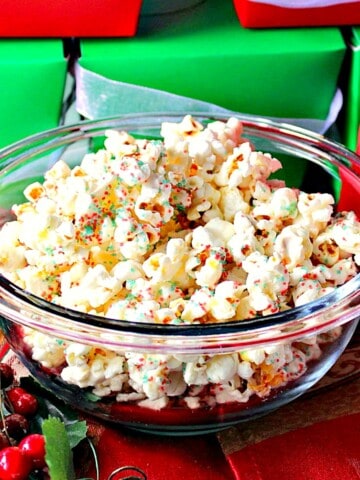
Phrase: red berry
[6,375]
[34,447]
[17,426]
[22,402]
[14,464]
[4,441]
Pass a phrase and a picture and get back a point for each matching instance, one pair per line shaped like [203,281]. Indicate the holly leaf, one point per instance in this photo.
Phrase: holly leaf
[76,432]
[59,458]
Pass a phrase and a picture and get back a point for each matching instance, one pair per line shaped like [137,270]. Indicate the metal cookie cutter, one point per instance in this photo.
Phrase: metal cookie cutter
[127,473]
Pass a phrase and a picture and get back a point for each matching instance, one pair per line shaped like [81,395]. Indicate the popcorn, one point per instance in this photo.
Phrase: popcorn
[195,373]
[197,306]
[188,230]
[232,201]
[325,250]
[222,368]
[293,245]
[210,273]
[315,211]
[345,232]
[47,350]
[95,288]
[267,281]
[228,394]
[307,291]
[244,241]
[281,204]
[245,370]
[12,252]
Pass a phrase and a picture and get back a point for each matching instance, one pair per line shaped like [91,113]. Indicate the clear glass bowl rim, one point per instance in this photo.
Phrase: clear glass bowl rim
[347,295]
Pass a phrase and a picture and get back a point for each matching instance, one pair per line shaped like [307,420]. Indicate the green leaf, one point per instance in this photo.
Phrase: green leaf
[92,397]
[76,432]
[58,451]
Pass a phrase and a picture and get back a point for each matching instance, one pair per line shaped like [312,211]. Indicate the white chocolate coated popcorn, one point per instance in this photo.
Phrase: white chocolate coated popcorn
[188,230]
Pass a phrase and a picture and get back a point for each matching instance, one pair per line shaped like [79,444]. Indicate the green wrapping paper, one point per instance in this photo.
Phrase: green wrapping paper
[352,116]
[32,80]
[204,53]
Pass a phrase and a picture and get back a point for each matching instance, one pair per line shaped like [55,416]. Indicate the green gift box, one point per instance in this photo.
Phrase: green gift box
[32,80]
[205,54]
[352,115]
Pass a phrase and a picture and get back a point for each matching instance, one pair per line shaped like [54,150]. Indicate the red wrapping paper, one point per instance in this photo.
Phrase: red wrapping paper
[260,15]
[69,18]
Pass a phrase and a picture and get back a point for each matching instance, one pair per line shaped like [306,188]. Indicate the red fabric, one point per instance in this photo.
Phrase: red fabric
[161,458]
[260,15]
[327,450]
[69,18]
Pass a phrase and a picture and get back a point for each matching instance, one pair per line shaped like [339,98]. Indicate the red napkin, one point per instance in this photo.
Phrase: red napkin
[324,451]
[160,458]
[275,447]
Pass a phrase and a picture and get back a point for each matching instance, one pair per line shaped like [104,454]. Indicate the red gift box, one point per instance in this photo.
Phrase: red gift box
[69,18]
[283,13]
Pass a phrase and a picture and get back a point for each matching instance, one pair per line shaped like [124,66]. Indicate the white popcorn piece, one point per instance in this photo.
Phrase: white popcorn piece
[222,368]
[315,211]
[254,355]
[245,370]
[216,233]
[210,273]
[12,252]
[192,402]
[325,250]
[46,349]
[345,231]
[156,404]
[58,171]
[293,245]
[195,373]
[95,288]
[267,280]
[227,394]
[197,306]
[128,270]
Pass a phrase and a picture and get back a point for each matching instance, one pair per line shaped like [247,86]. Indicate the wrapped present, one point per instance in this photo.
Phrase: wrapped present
[32,81]
[352,110]
[204,53]
[69,18]
[297,13]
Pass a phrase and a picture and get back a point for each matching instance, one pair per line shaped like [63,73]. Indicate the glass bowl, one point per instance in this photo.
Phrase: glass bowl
[272,359]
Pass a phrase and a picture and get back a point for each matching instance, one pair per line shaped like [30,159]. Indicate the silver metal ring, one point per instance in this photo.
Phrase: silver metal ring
[127,473]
